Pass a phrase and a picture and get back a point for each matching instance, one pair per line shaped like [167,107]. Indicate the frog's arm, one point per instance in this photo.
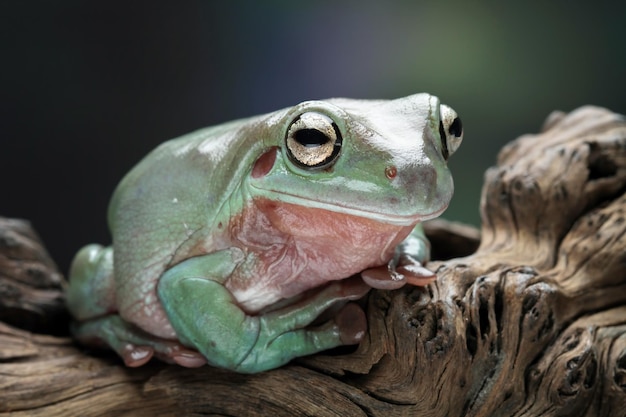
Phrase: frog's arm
[406,266]
[206,316]
[415,246]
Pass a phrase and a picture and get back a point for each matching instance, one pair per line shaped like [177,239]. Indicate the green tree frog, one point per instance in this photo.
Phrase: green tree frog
[245,245]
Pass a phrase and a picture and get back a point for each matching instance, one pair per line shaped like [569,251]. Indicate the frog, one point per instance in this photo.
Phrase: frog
[252,243]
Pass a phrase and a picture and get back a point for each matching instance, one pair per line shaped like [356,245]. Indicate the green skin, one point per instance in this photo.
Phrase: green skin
[228,251]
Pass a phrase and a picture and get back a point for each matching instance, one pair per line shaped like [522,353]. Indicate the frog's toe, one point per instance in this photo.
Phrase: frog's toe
[416,274]
[188,358]
[135,356]
[390,278]
[167,351]
[138,355]
[382,279]
[351,324]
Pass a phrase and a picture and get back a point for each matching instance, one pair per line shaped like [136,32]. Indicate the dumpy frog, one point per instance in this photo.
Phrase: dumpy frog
[246,244]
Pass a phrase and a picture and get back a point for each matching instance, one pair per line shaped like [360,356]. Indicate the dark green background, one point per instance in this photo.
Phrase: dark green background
[89,87]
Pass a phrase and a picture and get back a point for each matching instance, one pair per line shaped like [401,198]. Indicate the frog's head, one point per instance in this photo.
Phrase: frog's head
[378,159]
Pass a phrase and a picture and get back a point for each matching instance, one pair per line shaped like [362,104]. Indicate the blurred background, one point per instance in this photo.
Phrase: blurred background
[88,88]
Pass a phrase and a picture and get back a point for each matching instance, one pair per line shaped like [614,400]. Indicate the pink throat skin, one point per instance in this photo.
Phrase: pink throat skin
[290,249]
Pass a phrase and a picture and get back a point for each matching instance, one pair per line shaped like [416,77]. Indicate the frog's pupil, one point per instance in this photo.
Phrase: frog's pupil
[444,141]
[310,138]
[456,128]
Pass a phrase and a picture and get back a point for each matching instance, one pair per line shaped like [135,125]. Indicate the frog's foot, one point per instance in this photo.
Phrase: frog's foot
[405,270]
[133,345]
[351,324]
[341,317]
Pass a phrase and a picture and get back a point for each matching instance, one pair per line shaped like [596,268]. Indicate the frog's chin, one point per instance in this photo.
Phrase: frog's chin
[379,216]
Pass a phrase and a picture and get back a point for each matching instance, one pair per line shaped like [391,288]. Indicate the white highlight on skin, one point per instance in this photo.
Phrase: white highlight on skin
[148,310]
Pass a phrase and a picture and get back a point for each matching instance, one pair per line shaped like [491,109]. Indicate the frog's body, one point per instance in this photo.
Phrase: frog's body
[225,240]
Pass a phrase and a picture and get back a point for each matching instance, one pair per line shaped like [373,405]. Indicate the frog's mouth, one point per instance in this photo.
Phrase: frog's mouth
[375,204]
[378,216]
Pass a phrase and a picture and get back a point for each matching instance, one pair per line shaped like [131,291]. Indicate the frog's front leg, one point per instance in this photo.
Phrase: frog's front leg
[406,266]
[207,317]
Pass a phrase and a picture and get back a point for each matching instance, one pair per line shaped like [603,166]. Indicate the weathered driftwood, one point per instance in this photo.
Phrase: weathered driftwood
[29,281]
[532,324]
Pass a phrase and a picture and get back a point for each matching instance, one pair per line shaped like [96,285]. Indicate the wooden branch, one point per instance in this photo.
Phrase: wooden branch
[531,324]
[30,286]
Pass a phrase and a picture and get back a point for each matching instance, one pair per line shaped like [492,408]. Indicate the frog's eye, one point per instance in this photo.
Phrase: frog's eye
[450,130]
[313,141]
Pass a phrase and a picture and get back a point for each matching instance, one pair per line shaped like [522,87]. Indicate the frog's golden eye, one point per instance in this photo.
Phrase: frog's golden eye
[450,130]
[313,141]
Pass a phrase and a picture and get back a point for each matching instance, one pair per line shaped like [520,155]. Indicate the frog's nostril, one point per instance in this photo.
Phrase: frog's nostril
[391,172]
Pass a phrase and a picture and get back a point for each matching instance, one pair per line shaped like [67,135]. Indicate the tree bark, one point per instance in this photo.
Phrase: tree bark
[531,323]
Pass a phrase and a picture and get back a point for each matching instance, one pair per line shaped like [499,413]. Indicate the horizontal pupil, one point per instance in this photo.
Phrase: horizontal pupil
[456,128]
[444,141]
[310,138]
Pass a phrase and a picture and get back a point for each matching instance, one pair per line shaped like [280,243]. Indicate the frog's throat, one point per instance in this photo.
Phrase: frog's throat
[382,217]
